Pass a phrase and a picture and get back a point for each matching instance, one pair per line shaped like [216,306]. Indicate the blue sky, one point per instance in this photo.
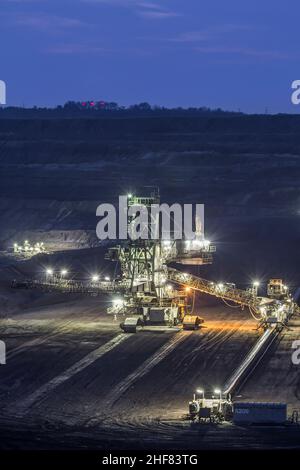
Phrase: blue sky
[234,54]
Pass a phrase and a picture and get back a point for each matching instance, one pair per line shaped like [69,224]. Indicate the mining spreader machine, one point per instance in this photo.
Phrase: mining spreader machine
[150,298]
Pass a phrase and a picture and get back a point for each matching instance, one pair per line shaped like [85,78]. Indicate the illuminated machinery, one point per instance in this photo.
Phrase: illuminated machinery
[277,289]
[144,271]
[272,310]
[29,249]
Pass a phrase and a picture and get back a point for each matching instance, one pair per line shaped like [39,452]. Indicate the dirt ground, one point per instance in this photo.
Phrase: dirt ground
[73,380]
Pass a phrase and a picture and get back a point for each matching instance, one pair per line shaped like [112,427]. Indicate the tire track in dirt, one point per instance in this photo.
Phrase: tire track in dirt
[21,408]
[144,368]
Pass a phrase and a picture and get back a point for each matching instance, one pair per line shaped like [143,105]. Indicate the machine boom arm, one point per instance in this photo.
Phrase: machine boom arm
[223,291]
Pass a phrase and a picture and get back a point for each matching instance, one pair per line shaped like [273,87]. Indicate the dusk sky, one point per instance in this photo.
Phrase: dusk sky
[233,54]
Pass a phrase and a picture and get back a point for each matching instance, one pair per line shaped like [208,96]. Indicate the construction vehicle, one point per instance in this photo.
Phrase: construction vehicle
[144,270]
[214,409]
[146,275]
[277,289]
[192,322]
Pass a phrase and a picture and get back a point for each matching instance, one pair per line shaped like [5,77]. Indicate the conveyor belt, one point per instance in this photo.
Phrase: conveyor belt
[251,360]
[224,291]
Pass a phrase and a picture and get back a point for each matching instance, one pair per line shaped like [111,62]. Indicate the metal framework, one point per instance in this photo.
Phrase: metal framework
[144,262]
[267,309]
[145,270]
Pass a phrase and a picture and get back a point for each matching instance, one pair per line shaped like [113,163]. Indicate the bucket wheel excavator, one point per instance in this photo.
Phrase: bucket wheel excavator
[150,296]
